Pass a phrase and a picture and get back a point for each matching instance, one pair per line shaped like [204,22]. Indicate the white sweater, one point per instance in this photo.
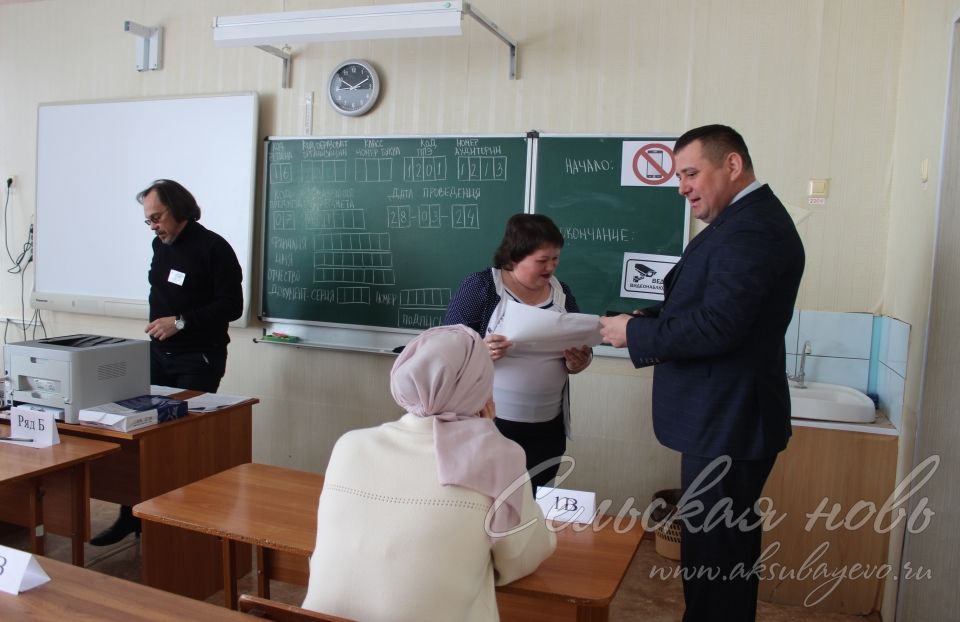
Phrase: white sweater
[394,545]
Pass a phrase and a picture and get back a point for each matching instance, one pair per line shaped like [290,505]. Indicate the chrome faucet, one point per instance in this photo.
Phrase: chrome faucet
[800,373]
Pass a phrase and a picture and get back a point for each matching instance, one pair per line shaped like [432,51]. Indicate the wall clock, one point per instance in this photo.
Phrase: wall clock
[353,87]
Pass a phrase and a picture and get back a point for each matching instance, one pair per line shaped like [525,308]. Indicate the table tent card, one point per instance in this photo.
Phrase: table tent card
[567,506]
[19,571]
[33,426]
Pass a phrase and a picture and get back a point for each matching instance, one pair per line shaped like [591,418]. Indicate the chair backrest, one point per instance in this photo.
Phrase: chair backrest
[280,612]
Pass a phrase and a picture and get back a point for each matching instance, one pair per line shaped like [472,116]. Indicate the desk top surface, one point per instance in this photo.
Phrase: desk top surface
[276,508]
[191,417]
[79,593]
[18,462]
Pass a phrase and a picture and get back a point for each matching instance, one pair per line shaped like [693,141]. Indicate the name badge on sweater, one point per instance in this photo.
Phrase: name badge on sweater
[176,277]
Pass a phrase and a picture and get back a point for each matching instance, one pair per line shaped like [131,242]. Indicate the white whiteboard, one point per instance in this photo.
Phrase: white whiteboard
[92,248]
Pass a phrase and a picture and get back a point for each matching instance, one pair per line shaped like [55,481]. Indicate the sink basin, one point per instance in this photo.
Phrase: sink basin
[831,402]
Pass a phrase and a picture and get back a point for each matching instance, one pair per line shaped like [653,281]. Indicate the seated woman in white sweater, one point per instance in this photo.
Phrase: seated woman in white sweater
[420,518]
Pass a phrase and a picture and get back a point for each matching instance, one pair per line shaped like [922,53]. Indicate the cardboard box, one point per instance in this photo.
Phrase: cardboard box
[137,412]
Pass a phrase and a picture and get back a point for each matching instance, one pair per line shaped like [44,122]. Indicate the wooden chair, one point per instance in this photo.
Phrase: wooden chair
[280,612]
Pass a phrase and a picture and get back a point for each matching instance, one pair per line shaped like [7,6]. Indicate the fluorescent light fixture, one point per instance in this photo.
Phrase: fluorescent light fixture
[421,19]
[383,21]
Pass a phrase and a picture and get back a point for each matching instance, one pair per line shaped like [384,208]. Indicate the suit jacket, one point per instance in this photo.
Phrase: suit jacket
[720,385]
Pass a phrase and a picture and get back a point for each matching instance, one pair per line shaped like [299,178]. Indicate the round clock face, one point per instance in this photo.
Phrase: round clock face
[354,87]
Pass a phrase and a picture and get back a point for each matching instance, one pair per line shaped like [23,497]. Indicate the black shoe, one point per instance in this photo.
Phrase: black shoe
[125,525]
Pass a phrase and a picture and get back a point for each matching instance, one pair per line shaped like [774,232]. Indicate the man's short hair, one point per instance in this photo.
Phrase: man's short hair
[175,198]
[717,141]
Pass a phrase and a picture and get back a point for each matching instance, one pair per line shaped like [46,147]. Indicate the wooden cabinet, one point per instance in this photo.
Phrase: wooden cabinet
[827,549]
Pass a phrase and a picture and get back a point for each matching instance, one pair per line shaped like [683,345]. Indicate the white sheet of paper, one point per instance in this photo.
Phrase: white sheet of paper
[213,401]
[19,571]
[34,424]
[542,331]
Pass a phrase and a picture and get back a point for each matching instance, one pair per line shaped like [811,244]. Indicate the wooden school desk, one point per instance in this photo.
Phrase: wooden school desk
[275,509]
[29,474]
[74,593]
[158,458]
[163,457]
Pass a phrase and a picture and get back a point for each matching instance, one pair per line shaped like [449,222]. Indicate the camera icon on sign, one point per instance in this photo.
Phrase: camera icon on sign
[643,272]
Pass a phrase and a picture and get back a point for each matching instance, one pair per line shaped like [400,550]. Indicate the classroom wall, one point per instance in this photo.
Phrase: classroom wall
[851,90]
[921,101]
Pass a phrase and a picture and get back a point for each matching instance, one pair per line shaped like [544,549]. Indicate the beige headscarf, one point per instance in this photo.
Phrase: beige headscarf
[446,373]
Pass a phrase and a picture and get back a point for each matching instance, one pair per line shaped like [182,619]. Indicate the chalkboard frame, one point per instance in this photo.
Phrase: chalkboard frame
[341,336]
[382,339]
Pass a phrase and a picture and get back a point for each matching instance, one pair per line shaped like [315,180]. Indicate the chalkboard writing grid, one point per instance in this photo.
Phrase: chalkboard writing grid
[376,233]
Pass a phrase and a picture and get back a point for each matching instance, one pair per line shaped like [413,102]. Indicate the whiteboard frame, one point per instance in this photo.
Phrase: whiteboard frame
[92,249]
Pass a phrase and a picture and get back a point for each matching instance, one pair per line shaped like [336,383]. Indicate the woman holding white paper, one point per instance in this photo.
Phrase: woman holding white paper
[531,390]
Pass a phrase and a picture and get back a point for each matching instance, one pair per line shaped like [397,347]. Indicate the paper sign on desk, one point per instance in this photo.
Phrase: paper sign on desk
[19,571]
[567,506]
[38,426]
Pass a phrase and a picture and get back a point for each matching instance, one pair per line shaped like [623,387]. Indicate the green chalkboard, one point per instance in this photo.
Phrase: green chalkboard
[582,184]
[378,232]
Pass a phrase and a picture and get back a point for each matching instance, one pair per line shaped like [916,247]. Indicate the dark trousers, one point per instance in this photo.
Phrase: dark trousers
[197,371]
[717,560]
[541,442]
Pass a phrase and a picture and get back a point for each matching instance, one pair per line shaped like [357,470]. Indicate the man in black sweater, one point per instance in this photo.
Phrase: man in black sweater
[195,292]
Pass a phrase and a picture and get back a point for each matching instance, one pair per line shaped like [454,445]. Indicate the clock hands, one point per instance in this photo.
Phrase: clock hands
[355,86]
[351,87]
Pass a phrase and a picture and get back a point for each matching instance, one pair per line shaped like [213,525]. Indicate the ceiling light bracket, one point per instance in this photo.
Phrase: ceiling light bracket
[284,55]
[492,27]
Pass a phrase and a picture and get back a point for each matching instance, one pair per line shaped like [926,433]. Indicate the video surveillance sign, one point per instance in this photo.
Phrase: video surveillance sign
[643,275]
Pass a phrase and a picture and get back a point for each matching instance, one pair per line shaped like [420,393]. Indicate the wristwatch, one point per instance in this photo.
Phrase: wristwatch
[180,324]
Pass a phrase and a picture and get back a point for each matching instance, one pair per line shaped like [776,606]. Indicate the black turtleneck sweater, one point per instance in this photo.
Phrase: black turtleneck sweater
[210,296]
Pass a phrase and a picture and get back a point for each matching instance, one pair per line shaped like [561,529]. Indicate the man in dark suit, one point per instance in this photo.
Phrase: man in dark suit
[720,393]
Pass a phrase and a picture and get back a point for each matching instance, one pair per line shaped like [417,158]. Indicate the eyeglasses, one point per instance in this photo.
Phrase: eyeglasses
[155,218]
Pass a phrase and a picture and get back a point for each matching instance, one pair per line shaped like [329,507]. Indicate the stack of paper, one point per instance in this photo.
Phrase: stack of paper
[137,412]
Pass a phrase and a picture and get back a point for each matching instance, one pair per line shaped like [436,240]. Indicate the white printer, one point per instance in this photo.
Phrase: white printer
[77,371]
